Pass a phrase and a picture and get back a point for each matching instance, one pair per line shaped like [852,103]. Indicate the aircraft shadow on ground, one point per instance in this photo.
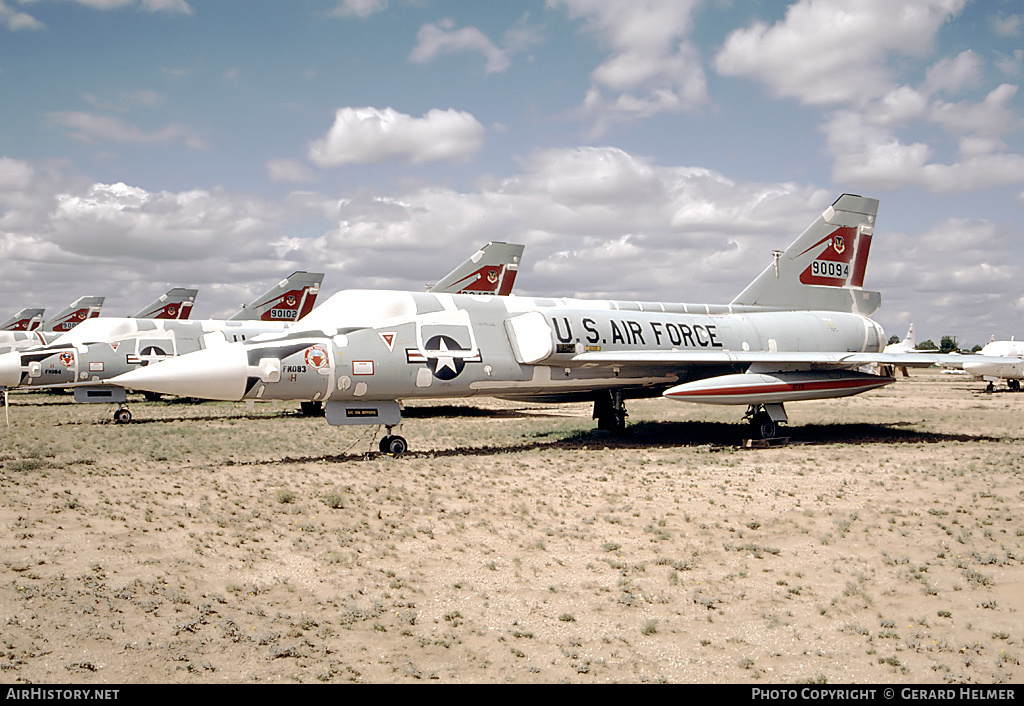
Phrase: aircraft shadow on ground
[649,435]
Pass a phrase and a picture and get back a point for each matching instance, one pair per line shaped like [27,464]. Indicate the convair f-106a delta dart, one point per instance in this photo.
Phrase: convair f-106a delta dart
[800,331]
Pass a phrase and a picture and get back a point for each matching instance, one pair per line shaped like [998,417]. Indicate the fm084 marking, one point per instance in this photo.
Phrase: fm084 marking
[633,333]
[826,268]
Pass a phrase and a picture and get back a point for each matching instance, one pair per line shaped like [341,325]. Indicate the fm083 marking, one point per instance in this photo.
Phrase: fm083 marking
[635,333]
[293,368]
[826,268]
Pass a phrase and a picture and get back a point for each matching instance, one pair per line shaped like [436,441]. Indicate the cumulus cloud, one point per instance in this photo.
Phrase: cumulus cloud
[361,135]
[653,67]
[846,57]
[830,53]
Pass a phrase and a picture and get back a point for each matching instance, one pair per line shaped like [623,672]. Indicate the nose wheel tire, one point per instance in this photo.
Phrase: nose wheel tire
[393,445]
[122,416]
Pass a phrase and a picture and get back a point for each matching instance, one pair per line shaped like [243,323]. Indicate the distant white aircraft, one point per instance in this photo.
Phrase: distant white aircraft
[1010,369]
[907,345]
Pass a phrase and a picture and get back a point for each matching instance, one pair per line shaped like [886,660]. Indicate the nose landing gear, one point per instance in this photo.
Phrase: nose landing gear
[393,444]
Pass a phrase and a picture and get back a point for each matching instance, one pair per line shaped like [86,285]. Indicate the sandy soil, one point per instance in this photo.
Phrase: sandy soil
[210,543]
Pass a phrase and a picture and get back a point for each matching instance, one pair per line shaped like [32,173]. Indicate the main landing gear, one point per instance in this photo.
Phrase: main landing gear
[393,444]
[1012,385]
[765,419]
[610,412]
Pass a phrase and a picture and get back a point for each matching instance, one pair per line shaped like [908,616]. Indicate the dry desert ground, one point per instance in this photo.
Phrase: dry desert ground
[212,543]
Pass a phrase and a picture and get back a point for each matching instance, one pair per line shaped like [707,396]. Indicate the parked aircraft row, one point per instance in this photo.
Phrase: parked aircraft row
[99,348]
[998,360]
[800,331]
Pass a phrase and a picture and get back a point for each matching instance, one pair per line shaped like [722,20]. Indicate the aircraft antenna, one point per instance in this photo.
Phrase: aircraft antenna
[776,254]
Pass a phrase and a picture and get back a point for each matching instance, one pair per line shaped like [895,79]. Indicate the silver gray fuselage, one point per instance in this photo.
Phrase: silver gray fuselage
[400,345]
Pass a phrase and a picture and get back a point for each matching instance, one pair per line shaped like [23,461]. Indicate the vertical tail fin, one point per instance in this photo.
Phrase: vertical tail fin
[24,320]
[824,267]
[74,314]
[177,303]
[289,300]
[490,270]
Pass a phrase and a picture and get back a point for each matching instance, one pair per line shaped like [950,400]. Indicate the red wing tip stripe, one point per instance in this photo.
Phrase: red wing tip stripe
[783,387]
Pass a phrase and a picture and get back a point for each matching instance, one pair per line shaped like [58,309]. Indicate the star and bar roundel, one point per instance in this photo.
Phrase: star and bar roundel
[445,357]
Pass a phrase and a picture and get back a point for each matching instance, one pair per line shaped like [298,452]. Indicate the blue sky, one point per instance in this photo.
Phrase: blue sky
[640,150]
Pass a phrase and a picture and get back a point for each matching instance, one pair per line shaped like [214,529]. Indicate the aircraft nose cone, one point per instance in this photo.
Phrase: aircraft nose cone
[10,369]
[212,374]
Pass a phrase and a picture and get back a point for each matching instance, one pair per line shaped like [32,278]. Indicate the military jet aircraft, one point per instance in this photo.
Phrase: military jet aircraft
[288,301]
[998,360]
[89,355]
[490,270]
[67,361]
[177,303]
[799,331]
[75,313]
[25,320]
[48,331]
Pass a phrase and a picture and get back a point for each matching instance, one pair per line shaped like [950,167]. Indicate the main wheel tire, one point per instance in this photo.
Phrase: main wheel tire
[122,416]
[1014,385]
[764,426]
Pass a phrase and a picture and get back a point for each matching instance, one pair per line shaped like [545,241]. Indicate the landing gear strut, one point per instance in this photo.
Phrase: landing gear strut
[393,444]
[311,409]
[1014,385]
[122,415]
[610,412]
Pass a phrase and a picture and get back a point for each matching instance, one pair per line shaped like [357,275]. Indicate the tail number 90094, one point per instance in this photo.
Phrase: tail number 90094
[824,268]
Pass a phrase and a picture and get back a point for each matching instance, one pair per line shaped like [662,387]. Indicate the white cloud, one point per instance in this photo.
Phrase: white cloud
[847,56]
[14,20]
[360,8]
[1008,25]
[436,39]
[993,116]
[91,128]
[15,175]
[653,68]
[289,170]
[361,135]
[952,75]
[834,52]
[442,38]
[169,6]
